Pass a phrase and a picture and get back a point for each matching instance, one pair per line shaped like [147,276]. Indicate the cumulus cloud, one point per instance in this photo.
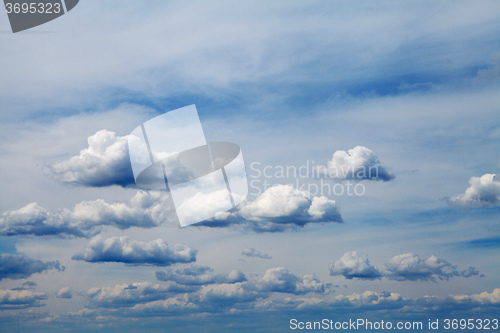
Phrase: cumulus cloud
[403,267]
[483,191]
[251,252]
[199,275]
[146,209]
[121,249]
[18,266]
[354,265]
[359,163]
[280,280]
[20,299]
[64,292]
[279,208]
[105,162]
[410,266]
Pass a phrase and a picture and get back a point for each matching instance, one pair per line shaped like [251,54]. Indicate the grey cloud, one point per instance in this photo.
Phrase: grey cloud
[105,162]
[251,252]
[18,266]
[199,275]
[354,265]
[145,209]
[279,208]
[280,280]
[483,191]
[64,292]
[20,299]
[359,163]
[121,249]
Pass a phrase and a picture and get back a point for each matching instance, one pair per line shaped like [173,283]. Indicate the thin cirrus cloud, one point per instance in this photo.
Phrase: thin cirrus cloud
[403,267]
[121,249]
[358,163]
[199,275]
[251,252]
[145,210]
[483,191]
[19,266]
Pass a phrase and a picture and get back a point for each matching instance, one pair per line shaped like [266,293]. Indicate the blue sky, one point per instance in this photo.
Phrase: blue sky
[412,89]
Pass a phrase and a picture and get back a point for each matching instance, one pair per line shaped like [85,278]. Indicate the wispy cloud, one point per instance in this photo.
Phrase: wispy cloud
[19,266]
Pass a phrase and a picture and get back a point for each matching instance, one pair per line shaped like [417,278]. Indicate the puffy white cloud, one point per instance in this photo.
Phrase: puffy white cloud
[251,252]
[18,266]
[280,280]
[64,292]
[199,275]
[355,265]
[358,163]
[105,162]
[20,299]
[121,249]
[483,191]
[280,208]
[410,266]
[145,209]
[403,267]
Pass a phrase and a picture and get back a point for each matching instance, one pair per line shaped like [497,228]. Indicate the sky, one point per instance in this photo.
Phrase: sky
[317,94]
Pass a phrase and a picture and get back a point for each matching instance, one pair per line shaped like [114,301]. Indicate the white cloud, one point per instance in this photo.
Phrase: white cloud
[18,266]
[251,252]
[280,208]
[20,299]
[280,280]
[359,163]
[355,265]
[104,163]
[121,249]
[145,209]
[199,275]
[484,191]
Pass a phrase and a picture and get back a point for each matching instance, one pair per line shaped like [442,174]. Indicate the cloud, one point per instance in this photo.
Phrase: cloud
[251,252]
[104,163]
[355,265]
[280,280]
[20,299]
[64,292]
[199,275]
[403,267]
[146,210]
[279,208]
[128,295]
[483,191]
[18,266]
[359,163]
[121,249]
[410,266]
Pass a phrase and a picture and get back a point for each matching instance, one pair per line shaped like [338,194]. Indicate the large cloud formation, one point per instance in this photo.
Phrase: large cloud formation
[280,208]
[121,249]
[20,299]
[104,163]
[403,267]
[358,163]
[18,266]
[483,191]
[145,209]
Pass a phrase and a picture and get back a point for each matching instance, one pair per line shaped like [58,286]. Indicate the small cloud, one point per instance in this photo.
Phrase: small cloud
[483,191]
[251,252]
[19,266]
[20,299]
[359,163]
[280,280]
[64,292]
[354,265]
[121,249]
[199,275]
